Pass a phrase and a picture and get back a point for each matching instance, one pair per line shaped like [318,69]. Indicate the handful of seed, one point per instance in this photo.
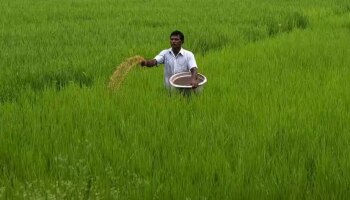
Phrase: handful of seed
[122,70]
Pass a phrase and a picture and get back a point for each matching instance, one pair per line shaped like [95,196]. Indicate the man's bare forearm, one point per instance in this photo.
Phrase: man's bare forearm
[149,63]
[194,81]
[194,73]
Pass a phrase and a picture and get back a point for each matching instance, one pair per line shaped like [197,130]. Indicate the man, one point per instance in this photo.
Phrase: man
[175,60]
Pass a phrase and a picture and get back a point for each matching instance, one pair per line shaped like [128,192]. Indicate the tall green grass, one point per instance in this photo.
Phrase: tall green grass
[271,123]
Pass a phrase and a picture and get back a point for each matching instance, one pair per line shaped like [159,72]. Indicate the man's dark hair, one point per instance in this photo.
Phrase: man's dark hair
[179,33]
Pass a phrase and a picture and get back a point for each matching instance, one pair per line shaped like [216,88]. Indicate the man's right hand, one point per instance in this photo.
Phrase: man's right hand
[143,63]
[149,63]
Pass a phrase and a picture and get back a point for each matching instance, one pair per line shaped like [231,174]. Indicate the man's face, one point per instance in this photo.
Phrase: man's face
[175,42]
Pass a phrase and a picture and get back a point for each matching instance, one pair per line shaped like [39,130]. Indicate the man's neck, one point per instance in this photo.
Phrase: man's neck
[176,51]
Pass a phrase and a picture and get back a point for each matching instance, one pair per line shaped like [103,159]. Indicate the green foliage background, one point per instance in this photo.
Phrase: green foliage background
[271,123]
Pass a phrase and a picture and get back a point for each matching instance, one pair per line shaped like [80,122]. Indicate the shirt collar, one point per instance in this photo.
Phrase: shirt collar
[181,52]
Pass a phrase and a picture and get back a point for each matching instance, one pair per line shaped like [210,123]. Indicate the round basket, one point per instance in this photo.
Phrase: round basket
[182,81]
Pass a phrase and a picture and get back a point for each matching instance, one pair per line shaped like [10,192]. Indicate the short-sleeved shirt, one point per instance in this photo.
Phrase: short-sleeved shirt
[183,62]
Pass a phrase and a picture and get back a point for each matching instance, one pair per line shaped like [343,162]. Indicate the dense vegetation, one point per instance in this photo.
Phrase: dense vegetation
[271,123]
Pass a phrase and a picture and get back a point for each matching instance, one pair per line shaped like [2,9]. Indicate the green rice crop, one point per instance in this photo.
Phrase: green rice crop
[271,123]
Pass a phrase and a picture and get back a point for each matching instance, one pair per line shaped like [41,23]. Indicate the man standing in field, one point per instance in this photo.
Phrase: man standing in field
[175,60]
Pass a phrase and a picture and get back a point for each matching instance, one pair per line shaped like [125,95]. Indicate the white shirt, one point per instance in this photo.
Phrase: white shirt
[183,62]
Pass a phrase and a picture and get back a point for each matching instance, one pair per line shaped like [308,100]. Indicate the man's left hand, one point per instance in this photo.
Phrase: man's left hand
[194,83]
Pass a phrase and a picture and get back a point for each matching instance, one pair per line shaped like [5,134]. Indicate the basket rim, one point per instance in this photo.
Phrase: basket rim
[185,74]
